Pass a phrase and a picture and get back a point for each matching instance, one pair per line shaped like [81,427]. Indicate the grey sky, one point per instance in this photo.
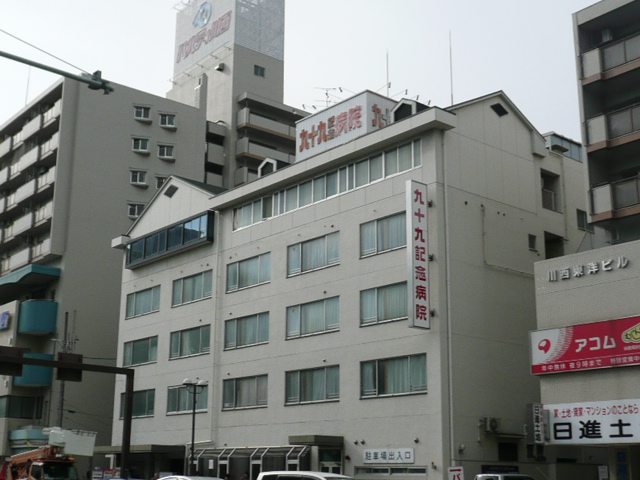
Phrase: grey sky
[524,48]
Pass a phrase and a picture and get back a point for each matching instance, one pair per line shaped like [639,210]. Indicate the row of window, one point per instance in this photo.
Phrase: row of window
[382,377]
[377,305]
[336,182]
[139,178]
[166,120]
[141,145]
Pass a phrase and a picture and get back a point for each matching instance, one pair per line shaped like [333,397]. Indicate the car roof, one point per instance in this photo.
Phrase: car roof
[306,472]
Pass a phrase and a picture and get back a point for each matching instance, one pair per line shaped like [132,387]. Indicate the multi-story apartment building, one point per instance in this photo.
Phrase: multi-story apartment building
[75,168]
[364,310]
[586,342]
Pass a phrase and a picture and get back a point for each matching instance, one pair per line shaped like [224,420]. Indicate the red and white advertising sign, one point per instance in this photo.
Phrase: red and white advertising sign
[456,473]
[417,255]
[613,421]
[612,343]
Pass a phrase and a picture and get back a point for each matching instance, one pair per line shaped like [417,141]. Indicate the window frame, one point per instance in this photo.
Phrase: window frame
[155,300]
[264,276]
[365,321]
[142,113]
[135,209]
[231,328]
[150,399]
[206,287]
[329,326]
[188,401]
[413,388]
[308,244]
[140,145]
[138,177]
[379,226]
[204,332]
[293,378]
[259,71]
[260,401]
[167,124]
[129,351]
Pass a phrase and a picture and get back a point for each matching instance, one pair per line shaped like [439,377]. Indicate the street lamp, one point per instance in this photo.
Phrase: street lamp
[194,388]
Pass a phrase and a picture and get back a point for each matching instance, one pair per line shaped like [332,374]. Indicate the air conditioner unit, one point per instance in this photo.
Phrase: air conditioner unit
[490,424]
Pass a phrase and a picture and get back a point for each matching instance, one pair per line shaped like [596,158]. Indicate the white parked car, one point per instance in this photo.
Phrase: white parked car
[503,476]
[301,475]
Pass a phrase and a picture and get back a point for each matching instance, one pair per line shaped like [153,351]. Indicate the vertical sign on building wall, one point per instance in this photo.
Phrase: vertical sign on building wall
[417,255]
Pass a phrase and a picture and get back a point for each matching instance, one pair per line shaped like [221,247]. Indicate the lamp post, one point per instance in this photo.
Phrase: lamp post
[194,388]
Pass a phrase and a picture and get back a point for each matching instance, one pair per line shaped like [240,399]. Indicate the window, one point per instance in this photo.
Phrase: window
[533,243]
[181,399]
[313,317]
[313,254]
[165,151]
[190,342]
[141,351]
[244,331]
[160,181]
[336,182]
[167,120]
[244,392]
[144,301]
[394,375]
[141,145]
[583,221]
[143,403]
[12,406]
[383,304]
[142,113]
[138,177]
[383,235]
[190,289]
[249,272]
[258,71]
[550,191]
[135,209]
[314,385]
[189,232]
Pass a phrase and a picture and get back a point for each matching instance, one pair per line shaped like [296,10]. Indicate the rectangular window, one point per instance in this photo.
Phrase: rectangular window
[193,341]
[383,235]
[244,392]
[313,254]
[314,385]
[249,272]
[160,181]
[138,177]
[141,351]
[167,120]
[180,399]
[244,331]
[383,304]
[141,145]
[258,71]
[392,376]
[192,288]
[313,317]
[12,406]
[165,151]
[533,243]
[583,221]
[135,209]
[144,301]
[143,403]
[141,113]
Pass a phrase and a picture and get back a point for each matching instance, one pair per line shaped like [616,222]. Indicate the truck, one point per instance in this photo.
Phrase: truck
[44,463]
[54,461]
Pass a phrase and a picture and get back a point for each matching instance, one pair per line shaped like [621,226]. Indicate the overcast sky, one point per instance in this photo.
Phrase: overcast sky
[524,48]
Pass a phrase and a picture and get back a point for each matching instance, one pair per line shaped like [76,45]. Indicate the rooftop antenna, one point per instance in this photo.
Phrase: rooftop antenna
[388,83]
[451,67]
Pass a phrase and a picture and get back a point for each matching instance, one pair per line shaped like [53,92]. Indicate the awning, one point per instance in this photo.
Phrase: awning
[14,283]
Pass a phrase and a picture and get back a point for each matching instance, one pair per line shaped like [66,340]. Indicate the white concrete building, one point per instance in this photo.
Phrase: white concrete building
[293,297]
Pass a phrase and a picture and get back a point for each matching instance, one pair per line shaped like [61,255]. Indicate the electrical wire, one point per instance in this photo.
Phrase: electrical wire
[44,51]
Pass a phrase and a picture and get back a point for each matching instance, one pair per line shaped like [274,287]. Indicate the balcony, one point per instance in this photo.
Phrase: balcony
[611,60]
[5,147]
[43,214]
[20,259]
[28,158]
[33,375]
[616,200]
[51,114]
[31,127]
[550,200]
[50,145]
[251,150]
[46,179]
[613,129]
[246,118]
[25,191]
[41,250]
[38,317]
[22,224]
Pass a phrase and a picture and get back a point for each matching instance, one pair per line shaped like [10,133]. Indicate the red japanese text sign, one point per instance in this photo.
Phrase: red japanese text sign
[612,343]
[417,255]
